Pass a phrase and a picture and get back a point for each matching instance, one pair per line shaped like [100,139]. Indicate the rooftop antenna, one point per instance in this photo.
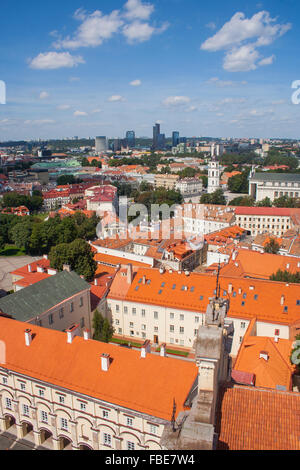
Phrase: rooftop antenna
[173,416]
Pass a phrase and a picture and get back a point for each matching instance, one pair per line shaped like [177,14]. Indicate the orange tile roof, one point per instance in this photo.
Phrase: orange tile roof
[250,298]
[146,385]
[43,263]
[253,419]
[276,371]
[31,278]
[115,260]
[257,265]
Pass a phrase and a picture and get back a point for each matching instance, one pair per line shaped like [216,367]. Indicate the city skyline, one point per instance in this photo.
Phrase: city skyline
[101,68]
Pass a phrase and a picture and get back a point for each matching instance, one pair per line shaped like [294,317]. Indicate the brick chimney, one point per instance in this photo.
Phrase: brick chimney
[28,337]
[105,362]
[72,332]
[67,267]
[264,355]
[29,268]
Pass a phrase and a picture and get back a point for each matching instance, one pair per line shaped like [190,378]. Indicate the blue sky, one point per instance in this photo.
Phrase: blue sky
[102,67]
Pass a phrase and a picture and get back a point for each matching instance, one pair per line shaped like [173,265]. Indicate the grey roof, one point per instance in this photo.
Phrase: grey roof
[284,177]
[42,296]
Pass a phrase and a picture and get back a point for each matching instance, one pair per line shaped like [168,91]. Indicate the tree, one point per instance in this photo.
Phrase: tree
[78,255]
[21,233]
[239,183]
[286,276]
[272,246]
[216,198]
[103,331]
[247,201]
[265,203]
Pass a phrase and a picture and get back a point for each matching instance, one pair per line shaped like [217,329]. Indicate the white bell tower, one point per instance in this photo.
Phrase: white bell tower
[213,176]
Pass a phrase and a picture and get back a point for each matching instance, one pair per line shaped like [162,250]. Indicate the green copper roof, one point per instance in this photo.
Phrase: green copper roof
[34,300]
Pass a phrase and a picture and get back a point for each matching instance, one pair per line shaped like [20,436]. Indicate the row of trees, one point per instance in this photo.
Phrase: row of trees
[283,201]
[37,237]
[285,276]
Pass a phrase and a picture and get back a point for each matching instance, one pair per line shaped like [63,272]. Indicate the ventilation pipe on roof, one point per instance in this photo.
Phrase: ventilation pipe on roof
[146,348]
[105,362]
[96,282]
[282,300]
[29,268]
[230,288]
[28,337]
[72,332]
[144,279]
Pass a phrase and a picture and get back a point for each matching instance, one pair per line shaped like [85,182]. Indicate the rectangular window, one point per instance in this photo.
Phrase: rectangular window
[172,328]
[44,417]
[197,319]
[41,392]
[64,423]
[61,399]
[243,325]
[130,445]
[25,410]
[181,330]
[134,311]
[81,302]
[117,308]
[61,313]
[171,316]
[107,439]
[83,406]
[8,403]
[125,309]
[105,414]
[4,380]
[143,327]
[143,313]
[129,421]
[50,319]
[131,325]
[181,317]
[195,332]
[23,386]
[153,429]
[156,329]
[155,315]
[71,307]
[82,322]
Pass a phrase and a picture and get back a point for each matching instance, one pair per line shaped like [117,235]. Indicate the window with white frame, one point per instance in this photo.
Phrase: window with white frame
[44,417]
[61,399]
[143,313]
[130,445]
[106,439]
[41,392]
[83,406]
[105,414]
[181,330]
[64,423]
[153,429]
[155,315]
[4,380]
[129,421]
[8,403]
[25,410]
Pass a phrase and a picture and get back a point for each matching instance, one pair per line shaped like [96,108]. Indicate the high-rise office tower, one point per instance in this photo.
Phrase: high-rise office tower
[101,144]
[175,139]
[156,133]
[130,138]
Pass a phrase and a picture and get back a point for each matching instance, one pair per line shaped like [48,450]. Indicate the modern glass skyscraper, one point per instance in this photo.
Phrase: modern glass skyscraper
[158,138]
[175,139]
[130,138]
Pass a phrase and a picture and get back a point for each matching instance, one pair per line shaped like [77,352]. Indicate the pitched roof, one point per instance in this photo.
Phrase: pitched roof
[250,298]
[146,385]
[253,419]
[39,298]
[264,211]
[266,176]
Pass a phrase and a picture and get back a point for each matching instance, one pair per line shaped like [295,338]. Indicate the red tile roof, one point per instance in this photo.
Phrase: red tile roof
[253,419]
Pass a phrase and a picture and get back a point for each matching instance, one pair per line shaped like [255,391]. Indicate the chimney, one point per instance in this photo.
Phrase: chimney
[96,282]
[105,362]
[288,266]
[28,337]
[163,350]
[144,279]
[276,339]
[86,334]
[29,268]
[162,270]
[146,348]
[72,332]
[264,355]
[129,274]
[229,288]
[45,256]
[282,300]
[67,267]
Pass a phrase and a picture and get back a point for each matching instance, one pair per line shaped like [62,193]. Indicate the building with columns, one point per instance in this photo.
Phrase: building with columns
[64,392]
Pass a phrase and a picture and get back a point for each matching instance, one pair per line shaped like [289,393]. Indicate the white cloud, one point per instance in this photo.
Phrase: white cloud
[240,37]
[40,121]
[138,32]
[267,60]
[241,59]
[95,111]
[176,101]
[80,113]
[63,107]
[116,98]
[94,29]
[74,79]
[55,60]
[138,10]
[191,109]
[44,95]
[225,83]
[211,25]
[136,83]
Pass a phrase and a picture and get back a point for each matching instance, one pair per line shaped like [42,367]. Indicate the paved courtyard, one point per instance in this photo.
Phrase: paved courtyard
[9,264]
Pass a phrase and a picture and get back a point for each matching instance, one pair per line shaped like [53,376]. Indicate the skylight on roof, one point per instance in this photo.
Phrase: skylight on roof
[174,286]
[137,288]
[160,291]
